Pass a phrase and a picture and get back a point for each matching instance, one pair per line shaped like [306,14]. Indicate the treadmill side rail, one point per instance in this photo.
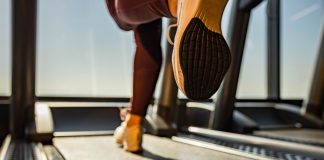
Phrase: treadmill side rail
[312,151]
[4,148]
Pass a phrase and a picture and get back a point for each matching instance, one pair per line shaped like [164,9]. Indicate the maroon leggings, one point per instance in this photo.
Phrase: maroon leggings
[144,18]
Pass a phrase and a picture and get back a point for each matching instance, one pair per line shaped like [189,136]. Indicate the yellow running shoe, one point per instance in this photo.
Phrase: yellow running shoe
[201,56]
[130,137]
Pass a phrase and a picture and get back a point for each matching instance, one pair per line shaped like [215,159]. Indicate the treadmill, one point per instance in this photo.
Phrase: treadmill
[283,129]
[81,128]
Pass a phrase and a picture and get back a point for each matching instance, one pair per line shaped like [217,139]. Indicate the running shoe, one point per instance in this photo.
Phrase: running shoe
[201,56]
[129,137]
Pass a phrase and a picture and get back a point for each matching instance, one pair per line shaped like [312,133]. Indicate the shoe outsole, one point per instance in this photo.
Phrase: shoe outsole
[204,59]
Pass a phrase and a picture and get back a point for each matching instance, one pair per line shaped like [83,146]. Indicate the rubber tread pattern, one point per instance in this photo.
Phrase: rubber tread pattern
[204,59]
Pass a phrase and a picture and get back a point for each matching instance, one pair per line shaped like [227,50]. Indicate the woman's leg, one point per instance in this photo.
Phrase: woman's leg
[147,64]
[129,14]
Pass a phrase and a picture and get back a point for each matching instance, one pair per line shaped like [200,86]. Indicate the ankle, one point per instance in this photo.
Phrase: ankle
[133,119]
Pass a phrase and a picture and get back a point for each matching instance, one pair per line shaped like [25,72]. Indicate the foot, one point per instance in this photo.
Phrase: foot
[129,134]
[201,55]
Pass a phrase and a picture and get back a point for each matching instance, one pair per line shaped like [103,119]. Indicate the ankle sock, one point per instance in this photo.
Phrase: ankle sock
[133,119]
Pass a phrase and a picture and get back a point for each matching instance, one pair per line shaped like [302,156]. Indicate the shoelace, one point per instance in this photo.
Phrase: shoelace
[168,33]
[174,25]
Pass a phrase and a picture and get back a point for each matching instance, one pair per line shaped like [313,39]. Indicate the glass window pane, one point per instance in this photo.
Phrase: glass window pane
[253,80]
[81,52]
[300,28]
[5,48]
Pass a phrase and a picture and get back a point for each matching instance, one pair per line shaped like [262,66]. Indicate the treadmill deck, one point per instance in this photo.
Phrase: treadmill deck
[104,147]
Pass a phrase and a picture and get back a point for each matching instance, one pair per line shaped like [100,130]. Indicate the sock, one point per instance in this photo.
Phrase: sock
[133,119]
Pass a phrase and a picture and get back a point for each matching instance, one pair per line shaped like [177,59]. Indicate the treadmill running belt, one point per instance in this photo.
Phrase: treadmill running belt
[254,149]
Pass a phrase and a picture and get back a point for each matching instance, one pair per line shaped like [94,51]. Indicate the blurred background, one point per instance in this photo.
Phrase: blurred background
[82,53]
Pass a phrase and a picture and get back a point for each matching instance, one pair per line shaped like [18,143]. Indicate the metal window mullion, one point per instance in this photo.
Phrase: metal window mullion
[23,65]
[273,14]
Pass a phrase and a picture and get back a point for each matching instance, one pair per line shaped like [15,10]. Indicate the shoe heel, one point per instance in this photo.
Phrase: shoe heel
[210,13]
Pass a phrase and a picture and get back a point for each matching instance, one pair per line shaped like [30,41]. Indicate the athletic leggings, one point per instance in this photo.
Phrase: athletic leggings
[144,18]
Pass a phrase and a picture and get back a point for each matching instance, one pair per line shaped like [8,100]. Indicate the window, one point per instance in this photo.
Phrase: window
[301,32]
[5,48]
[81,51]
[253,77]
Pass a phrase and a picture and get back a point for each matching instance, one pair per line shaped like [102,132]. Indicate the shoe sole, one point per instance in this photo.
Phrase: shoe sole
[203,56]
[204,60]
